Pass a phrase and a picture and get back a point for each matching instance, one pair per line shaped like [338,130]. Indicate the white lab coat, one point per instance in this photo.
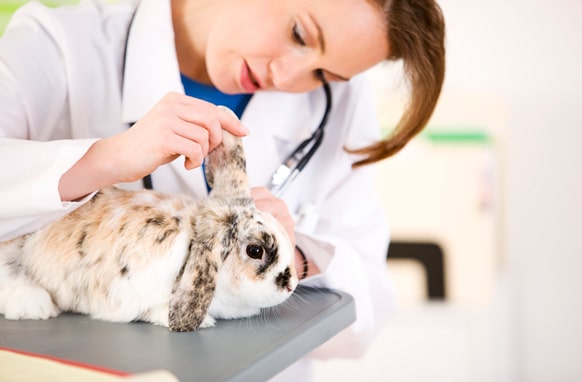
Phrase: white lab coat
[62,85]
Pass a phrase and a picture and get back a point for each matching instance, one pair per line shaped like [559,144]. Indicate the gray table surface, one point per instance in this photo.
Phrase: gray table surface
[252,349]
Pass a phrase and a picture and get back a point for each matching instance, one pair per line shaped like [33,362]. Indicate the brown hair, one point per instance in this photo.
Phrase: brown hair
[416,34]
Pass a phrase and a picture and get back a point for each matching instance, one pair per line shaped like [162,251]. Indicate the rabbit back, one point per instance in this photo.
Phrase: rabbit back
[114,258]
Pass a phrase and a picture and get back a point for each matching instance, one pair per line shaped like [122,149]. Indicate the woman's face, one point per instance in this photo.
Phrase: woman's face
[279,44]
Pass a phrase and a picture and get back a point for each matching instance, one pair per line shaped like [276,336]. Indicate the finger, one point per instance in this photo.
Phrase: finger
[231,123]
[228,120]
[274,206]
[194,157]
[217,119]
[194,133]
[259,193]
[191,150]
[203,115]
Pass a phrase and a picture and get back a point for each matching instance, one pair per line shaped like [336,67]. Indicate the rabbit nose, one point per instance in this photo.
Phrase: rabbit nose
[283,280]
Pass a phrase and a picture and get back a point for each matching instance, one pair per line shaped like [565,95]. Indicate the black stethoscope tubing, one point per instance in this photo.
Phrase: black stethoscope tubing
[298,159]
[317,136]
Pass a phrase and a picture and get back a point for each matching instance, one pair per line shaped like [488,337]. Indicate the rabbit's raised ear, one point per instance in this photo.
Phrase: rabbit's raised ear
[226,169]
[194,287]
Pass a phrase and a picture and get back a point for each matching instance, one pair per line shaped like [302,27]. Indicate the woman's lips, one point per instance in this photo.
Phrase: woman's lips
[247,80]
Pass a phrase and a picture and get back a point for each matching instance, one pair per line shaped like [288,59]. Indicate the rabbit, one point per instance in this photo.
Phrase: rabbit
[146,256]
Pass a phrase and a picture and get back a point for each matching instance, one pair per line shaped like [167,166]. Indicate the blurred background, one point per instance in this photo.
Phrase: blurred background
[485,205]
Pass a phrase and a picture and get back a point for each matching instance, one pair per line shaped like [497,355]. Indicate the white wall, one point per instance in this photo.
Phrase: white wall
[529,54]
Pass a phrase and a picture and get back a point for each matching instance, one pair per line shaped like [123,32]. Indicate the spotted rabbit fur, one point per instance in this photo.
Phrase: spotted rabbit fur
[146,256]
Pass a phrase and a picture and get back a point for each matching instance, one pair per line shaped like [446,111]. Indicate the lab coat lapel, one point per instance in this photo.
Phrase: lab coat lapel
[277,123]
[151,65]
[75,64]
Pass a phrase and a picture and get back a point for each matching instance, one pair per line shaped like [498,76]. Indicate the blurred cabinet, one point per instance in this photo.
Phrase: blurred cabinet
[444,193]
[444,188]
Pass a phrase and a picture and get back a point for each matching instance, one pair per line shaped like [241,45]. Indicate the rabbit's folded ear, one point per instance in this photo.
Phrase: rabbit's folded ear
[194,287]
[226,169]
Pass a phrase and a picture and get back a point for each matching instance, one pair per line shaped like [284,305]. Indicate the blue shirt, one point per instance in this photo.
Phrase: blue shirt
[235,102]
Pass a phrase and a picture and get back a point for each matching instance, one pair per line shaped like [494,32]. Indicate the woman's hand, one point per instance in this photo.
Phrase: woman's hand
[177,125]
[266,201]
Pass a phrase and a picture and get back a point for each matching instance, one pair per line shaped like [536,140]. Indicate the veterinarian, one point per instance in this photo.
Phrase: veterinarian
[101,94]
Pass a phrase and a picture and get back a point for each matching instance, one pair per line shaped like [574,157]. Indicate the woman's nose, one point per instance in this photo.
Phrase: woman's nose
[293,73]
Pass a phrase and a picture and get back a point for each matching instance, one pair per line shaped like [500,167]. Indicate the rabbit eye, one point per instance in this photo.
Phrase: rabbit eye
[255,251]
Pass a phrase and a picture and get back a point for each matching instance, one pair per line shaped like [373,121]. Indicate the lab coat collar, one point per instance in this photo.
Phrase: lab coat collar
[277,124]
[285,116]
[151,65]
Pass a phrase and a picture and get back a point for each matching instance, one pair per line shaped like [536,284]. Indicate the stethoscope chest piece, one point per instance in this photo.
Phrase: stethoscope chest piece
[298,159]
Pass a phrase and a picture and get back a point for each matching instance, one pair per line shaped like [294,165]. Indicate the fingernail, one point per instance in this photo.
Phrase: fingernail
[244,129]
[228,110]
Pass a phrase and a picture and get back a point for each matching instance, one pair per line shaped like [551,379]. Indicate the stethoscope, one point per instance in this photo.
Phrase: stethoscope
[298,159]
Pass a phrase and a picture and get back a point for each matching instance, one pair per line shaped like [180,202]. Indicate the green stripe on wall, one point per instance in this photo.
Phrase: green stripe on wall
[464,136]
[452,135]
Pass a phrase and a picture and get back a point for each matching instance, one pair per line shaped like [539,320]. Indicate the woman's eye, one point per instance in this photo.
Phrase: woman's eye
[255,251]
[297,36]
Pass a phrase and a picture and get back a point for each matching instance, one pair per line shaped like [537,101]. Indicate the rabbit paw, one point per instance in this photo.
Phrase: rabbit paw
[29,302]
[208,322]
[159,316]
